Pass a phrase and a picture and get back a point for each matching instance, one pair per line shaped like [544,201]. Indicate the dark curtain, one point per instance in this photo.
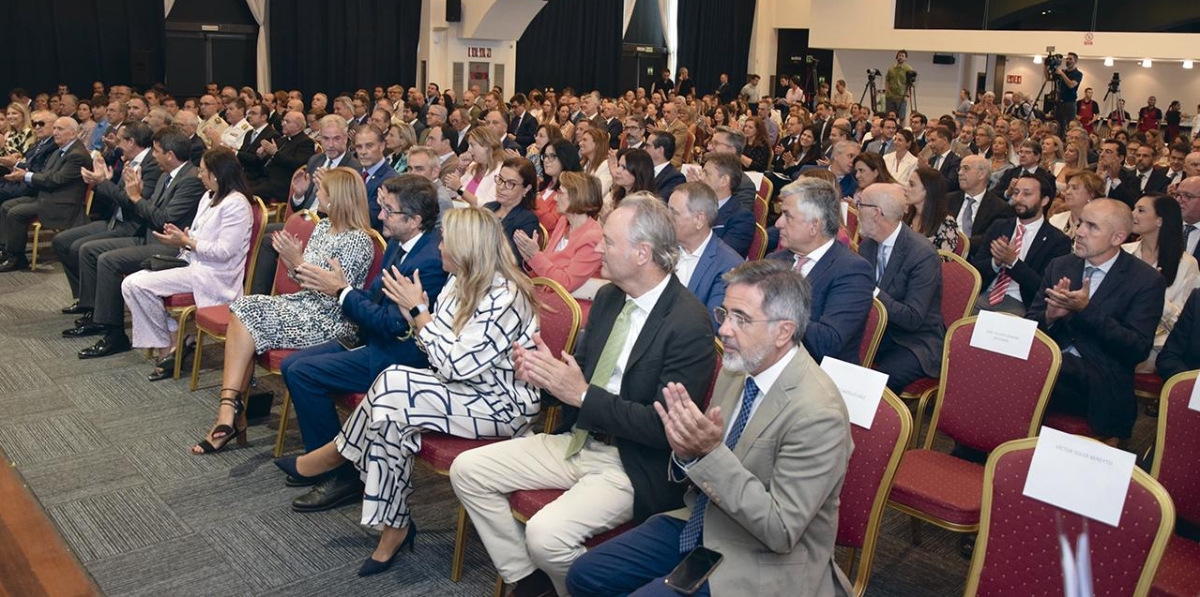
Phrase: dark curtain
[332,47]
[573,43]
[645,25]
[714,38]
[47,42]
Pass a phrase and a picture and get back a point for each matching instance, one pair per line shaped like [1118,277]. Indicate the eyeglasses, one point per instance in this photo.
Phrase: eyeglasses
[1186,196]
[549,157]
[386,212]
[859,205]
[507,185]
[739,321]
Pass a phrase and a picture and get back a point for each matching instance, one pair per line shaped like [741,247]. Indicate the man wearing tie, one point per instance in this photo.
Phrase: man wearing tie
[523,126]
[409,211]
[284,155]
[1102,306]
[1176,157]
[908,281]
[35,158]
[703,258]
[1149,178]
[368,146]
[1188,196]
[253,164]
[883,145]
[1118,184]
[974,207]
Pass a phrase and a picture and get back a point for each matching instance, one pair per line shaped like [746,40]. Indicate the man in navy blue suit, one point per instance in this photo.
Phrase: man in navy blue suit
[703,258]
[734,223]
[409,212]
[368,145]
[841,165]
[841,281]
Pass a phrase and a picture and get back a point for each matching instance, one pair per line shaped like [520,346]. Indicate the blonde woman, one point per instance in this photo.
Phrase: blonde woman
[399,139]
[20,130]
[593,155]
[475,183]
[485,310]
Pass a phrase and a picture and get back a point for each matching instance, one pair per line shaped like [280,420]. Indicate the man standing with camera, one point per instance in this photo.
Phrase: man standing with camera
[896,85]
[1066,82]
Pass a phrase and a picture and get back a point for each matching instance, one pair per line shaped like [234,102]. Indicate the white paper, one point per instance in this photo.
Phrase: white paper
[861,389]
[1080,475]
[1004,334]
[1194,402]
[691,171]
[756,178]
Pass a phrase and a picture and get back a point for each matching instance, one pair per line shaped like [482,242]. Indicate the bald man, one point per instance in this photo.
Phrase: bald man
[1102,306]
[908,281]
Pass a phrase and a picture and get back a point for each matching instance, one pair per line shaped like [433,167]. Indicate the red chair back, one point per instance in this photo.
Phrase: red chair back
[960,286]
[761,208]
[1017,551]
[559,317]
[712,383]
[869,476]
[988,398]
[380,246]
[585,307]
[852,225]
[300,224]
[758,246]
[872,333]
[963,248]
[1178,443]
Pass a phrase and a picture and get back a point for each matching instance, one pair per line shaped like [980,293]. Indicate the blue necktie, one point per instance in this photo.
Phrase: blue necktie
[690,536]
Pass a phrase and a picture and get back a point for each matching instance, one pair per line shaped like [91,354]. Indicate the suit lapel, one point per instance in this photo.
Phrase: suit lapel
[1115,274]
[654,321]
[703,265]
[770,404]
[895,259]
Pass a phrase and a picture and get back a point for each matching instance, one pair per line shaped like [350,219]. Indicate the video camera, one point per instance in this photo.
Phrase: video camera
[1114,86]
[910,77]
[1052,60]
[872,73]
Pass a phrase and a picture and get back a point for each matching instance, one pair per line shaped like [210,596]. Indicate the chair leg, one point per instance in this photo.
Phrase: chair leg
[180,338]
[915,526]
[281,437]
[499,586]
[196,358]
[460,546]
[37,235]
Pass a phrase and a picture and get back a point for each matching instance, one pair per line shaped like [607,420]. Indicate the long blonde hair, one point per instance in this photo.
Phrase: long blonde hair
[347,200]
[475,242]
[484,136]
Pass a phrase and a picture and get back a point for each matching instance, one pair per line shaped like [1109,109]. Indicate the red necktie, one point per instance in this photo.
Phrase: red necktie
[1003,280]
[366,175]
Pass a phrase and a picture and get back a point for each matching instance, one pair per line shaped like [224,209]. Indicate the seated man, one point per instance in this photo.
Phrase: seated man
[974,207]
[409,212]
[1102,306]
[282,156]
[661,146]
[254,164]
[703,258]
[729,141]
[58,200]
[908,281]
[1029,160]
[840,281]
[1182,350]
[645,330]
[734,223]
[35,158]
[773,513]
[368,147]
[1018,249]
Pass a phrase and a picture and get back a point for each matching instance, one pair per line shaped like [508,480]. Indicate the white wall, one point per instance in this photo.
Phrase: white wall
[937,84]
[770,16]
[1167,81]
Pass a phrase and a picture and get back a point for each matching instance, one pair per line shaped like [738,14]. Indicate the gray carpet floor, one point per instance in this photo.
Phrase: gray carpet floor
[106,454]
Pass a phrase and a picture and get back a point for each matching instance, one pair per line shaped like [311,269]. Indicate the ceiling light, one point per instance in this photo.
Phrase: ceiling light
[1108,61]
[1187,64]
[1146,63]
[1037,59]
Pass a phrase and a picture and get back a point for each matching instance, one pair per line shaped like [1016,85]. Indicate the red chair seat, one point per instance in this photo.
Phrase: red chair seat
[1179,572]
[1148,384]
[439,449]
[176,301]
[349,401]
[531,501]
[214,318]
[939,484]
[273,359]
[920,386]
[1073,424]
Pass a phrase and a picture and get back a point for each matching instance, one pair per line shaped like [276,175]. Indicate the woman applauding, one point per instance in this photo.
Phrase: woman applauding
[570,257]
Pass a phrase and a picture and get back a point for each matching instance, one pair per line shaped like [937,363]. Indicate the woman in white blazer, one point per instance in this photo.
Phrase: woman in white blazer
[901,162]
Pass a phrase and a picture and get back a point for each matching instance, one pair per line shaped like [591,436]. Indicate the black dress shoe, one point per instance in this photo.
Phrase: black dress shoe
[85,320]
[84,330]
[106,346]
[75,309]
[13,264]
[336,490]
[537,584]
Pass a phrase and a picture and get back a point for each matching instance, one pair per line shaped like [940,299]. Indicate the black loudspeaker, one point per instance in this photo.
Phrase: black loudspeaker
[453,11]
[943,58]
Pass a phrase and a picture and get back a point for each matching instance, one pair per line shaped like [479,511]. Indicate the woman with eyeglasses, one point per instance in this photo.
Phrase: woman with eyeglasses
[546,133]
[557,157]
[475,180]
[515,196]
[570,256]
[20,130]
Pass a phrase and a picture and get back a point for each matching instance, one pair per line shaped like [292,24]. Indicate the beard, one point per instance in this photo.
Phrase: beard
[740,360]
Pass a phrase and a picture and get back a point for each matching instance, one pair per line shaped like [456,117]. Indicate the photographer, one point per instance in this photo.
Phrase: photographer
[1066,78]
[896,85]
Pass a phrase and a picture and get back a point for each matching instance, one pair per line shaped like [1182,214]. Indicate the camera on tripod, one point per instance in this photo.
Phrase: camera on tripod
[810,59]
[910,77]
[1114,86]
[1052,60]
[872,73]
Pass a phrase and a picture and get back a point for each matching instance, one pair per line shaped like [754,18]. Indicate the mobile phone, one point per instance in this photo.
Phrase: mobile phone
[694,570]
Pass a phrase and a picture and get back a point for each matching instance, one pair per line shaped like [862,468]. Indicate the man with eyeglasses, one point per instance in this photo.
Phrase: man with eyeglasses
[726,141]
[423,161]
[210,119]
[35,157]
[408,209]
[1029,161]
[908,281]
[1119,184]
[253,164]
[634,132]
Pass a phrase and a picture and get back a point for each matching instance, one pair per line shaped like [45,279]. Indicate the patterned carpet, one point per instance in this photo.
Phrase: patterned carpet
[106,454]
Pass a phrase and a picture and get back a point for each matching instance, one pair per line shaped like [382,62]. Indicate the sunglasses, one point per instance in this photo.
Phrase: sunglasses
[39,123]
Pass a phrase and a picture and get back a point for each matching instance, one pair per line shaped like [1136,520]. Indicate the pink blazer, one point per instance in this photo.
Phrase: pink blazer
[576,263]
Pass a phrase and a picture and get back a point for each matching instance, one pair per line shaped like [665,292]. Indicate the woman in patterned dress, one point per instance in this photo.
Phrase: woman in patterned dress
[486,308]
[259,323]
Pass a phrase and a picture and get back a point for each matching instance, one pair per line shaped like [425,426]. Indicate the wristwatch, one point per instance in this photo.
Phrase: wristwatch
[418,309]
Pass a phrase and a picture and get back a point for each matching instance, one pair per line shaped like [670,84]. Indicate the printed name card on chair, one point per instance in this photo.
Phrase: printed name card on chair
[1004,334]
[1080,475]
[1194,401]
[861,388]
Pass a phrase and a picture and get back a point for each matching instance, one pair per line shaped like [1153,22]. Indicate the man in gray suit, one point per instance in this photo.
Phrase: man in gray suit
[59,202]
[908,281]
[772,513]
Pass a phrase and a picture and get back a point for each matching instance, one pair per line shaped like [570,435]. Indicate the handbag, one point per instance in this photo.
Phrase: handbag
[158,263]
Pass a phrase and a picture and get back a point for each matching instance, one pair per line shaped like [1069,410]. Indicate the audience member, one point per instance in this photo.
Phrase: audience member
[703,257]
[734,224]
[570,256]
[632,171]
[515,196]
[941,158]
[476,182]
[1082,188]
[661,147]
[727,141]
[975,207]
[927,213]
[283,155]
[1181,352]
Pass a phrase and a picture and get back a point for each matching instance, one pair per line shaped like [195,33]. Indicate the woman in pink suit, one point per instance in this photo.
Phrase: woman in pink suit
[570,257]
[215,247]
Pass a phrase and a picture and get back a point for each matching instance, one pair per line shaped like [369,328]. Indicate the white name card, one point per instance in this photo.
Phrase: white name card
[1004,334]
[1080,475]
[861,388]
[1194,401]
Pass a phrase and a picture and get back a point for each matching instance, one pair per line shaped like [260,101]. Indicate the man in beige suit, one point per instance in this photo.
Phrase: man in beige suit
[674,125]
[767,461]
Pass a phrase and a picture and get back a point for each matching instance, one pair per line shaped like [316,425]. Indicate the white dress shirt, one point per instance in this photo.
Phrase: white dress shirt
[1031,230]
[813,257]
[686,266]
[637,320]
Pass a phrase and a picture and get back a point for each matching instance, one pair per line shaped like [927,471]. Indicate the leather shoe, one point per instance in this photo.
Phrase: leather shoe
[85,320]
[85,330]
[13,264]
[336,490]
[106,346]
[75,309]
[537,584]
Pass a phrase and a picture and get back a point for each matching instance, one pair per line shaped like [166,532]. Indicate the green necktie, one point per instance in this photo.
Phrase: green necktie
[605,366]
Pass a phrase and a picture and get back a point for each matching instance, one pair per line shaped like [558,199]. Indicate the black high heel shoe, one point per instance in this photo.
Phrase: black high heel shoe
[287,464]
[372,566]
[229,432]
[165,367]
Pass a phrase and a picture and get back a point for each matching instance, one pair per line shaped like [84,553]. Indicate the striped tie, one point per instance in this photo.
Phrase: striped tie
[1003,280]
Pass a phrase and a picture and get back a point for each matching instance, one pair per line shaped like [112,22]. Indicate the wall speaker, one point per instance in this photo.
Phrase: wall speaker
[453,11]
[943,58]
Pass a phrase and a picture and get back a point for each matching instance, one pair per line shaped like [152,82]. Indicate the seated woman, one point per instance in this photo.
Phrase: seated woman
[901,162]
[928,212]
[570,257]
[557,157]
[514,200]
[545,135]
[1082,187]
[870,169]
[259,323]
[1158,220]
[593,155]
[215,247]
[632,171]
[1001,162]
[756,155]
[475,182]
[400,138]
[486,308]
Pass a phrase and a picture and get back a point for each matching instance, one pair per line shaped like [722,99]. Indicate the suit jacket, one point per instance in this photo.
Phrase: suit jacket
[309,200]
[1182,349]
[667,180]
[115,194]
[1001,187]
[174,201]
[746,193]
[60,187]
[949,169]
[848,185]
[1129,191]
[706,282]
[253,165]
[911,291]
[575,264]
[450,165]
[735,226]
[990,209]
[292,154]
[1113,333]
[678,130]
[675,345]
[1049,243]
[375,181]
[842,285]
[1157,183]
[379,320]
[773,498]
[462,145]
[524,129]
[197,151]
[615,128]
[876,146]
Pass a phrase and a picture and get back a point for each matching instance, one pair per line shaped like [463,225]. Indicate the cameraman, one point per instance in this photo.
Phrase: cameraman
[1066,78]
[896,86]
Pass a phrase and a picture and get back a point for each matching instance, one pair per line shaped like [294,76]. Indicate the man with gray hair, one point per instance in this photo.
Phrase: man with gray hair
[435,118]
[728,141]
[611,453]
[187,122]
[423,161]
[841,281]
[703,258]
[908,281]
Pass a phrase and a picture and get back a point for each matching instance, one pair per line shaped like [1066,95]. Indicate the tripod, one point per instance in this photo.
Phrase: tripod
[1036,100]
[1112,102]
[910,90]
[870,88]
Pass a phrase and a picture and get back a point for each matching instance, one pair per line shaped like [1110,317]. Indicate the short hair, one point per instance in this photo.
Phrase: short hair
[373,130]
[583,191]
[138,132]
[818,200]
[335,121]
[942,131]
[640,121]
[1046,185]
[664,141]
[417,197]
[787,296]
[652,225]
[1033,146]
[438,109]
[1118,143]
[727,165]
[173,140]
[528,176]
[700,200]
[919,116]
[736,138]
[1092,183]
[424,150]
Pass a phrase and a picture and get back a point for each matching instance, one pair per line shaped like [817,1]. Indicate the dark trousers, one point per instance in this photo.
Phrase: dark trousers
[1076,393]
[104,264]
[67,244]
[264,268]
[15,217]
[313,375]
[634,563]
[899,363]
